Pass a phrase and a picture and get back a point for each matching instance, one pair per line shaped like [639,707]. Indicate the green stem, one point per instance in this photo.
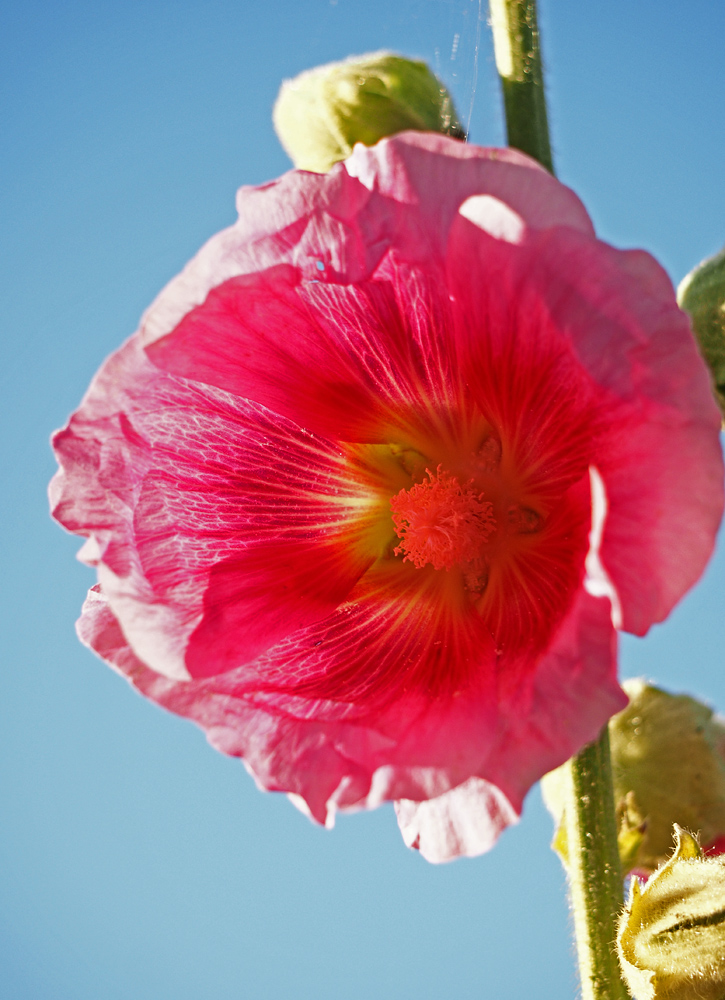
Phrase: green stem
[518,60]
[595,878]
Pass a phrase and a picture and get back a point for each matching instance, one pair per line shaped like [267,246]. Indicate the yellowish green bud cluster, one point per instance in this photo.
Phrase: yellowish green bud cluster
[702,295]
[322,113]
[671,938]
[668,764]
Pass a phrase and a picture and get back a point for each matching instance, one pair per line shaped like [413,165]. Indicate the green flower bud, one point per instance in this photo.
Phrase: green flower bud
[671,938]
[668,762]
[668,765]
[702,295]
[322,113]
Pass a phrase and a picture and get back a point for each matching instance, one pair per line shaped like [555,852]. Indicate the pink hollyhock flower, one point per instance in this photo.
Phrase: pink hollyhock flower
[379,471]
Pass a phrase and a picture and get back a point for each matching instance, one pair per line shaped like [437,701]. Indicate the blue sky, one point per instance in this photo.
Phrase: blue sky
[134,860]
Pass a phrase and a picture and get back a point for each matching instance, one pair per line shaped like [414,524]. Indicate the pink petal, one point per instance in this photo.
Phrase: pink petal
[334,756]
[465,822]
[300,219]
[572,693]
[408,167]
[347,361]
[570,697]
[283,753]
[267,592]
[340,225]
[172,483]
[396,638]
[633,394]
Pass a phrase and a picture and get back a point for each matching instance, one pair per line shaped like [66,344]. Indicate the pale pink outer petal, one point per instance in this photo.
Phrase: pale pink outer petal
[416,749]
[409,166]
[669,515]
[401,192]
[465,822]
[657,448]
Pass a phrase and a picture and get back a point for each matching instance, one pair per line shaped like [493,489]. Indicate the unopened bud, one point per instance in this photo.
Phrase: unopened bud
[702,295]
[322,113]
[668,766]
[671,939]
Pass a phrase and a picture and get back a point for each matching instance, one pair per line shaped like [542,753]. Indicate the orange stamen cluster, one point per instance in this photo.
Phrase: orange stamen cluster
[440,522]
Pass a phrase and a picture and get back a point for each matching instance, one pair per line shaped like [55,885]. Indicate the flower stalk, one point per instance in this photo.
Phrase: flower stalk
[518,61]
[595,878]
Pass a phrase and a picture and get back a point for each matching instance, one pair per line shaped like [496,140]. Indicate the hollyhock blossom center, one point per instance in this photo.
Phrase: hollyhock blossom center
[441,522]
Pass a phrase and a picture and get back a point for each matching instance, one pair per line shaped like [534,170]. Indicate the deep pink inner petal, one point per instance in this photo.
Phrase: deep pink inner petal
[350,362]
[520,366]
[255,337]
[402,631]
[625,391]
[269,591]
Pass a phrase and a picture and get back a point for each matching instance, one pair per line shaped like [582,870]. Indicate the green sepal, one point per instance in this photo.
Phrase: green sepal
[671,936]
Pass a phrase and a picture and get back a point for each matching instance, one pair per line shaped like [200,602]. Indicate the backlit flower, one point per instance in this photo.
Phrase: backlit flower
[376,475]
